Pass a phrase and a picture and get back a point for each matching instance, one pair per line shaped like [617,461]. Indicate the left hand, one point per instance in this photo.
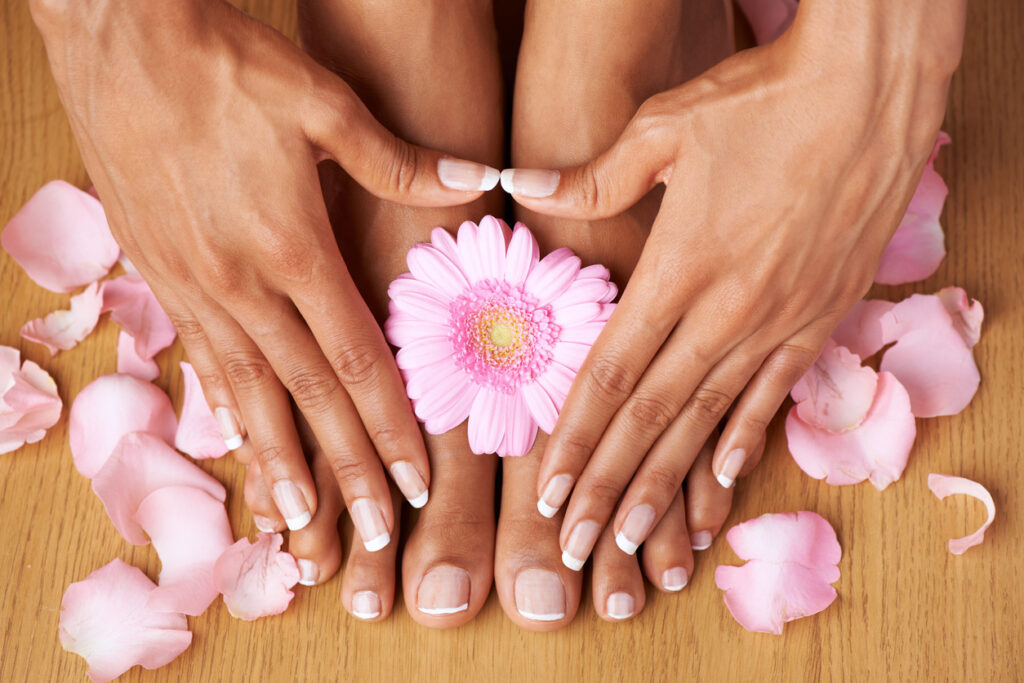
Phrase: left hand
[787,168]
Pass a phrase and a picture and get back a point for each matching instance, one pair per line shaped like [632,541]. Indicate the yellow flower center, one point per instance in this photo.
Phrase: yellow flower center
[502,334]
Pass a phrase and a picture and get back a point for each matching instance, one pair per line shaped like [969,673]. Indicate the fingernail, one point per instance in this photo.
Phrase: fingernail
[555,494]
[369,522]
[443,590]
[581,542]
[229,429]
[529,182]
[540,595]
[365,605]
[468,176]
[292,504]
[700,540]
[731,467]
[264,524]
[674,579]
[308,572]
[620,605]
[635,529]
[410,483]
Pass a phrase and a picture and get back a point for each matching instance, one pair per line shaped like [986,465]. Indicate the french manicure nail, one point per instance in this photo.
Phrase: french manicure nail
[620,606]
[635,529]
[264,524]
[369,522]
[530,182]
[468,176]
[308,572]
[443,590]
[581,542]
[700,540]
[555,493]
[292,504]
[674,579]
[410,483]
[365,605]
[540,595]
[229,429]
[731,467]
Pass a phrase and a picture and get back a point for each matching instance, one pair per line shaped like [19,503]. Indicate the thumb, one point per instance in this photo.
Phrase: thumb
[343,129]
[605,186]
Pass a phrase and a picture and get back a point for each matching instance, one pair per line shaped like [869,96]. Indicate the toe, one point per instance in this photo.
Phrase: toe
[317,546]
[368,585]
[618,585]
[707,501]
[257,496]
[667,556]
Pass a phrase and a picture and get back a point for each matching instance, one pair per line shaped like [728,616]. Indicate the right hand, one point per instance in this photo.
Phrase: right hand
[202,129]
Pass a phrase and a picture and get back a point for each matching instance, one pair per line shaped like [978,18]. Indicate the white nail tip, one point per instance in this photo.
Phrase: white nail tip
[546,509]
[506,180]
[701,547]
[725,481]
[438,611]
[306,582]
[366,616]
[491,177]
[234,443]
[620,617]
[296,523]
[625,545]
[674,588]
[375,544]
[572,562]
[266,530]
[542,617]
[420,500]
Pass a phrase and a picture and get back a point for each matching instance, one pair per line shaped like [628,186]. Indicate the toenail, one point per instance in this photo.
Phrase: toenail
[540,595]
[410,483]
[369,522]
[581,542]
[264,524]
[634,530]
[308,572]
[443,590]
[292,504]
[365,605]
[700,540]
[620,605]
[554,494]
[674,579]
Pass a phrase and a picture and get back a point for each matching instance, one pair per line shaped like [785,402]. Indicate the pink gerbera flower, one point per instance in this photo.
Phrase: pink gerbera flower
[490,331]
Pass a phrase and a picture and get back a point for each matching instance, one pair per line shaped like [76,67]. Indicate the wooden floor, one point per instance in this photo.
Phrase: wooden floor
[907,609]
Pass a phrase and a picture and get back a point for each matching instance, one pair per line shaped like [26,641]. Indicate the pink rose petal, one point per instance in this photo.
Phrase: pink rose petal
[943,485]
[793,558]
[189,529]
[255,578]
[198,433]
[29,402]
[836,392]
[61,238]
[140,464]
[129,362]
[110,407]
[133,306]
[62,330]
[104,619]
[861,329]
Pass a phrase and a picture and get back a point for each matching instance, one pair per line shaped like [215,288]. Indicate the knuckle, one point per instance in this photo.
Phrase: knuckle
[272,457]
[603,491]
[707,405]
[245,370]
[661,478]
[589,188]
[219,275]
[348,469]
[290,260]
[312,389]
[575,448]
[386,439]
[355,362]
[650,413]
[791,361]
[611,378]
[398,168]
[189,329]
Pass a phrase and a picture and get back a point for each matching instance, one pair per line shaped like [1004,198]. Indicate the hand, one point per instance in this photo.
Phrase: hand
[201,129]
[787,169]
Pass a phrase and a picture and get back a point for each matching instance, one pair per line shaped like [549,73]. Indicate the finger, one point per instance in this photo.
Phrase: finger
[609,184]
[368,585]
[707,503]
[317,546]
[667,556]
[761,400]
[261,504]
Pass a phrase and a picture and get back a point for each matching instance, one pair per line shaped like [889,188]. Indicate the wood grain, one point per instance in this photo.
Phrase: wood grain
[908,610]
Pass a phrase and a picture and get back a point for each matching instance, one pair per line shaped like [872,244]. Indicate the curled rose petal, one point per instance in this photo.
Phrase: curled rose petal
[133,306]
[110,407]
[836,392]
[255,578]
[189,529]
[104,619]
[792,560]
[198,433]
[61,238]
[29,403]
[140,464]
[129,362]
[62,330]
[943,485]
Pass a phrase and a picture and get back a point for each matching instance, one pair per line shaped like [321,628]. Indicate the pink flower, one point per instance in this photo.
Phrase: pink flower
[490,331]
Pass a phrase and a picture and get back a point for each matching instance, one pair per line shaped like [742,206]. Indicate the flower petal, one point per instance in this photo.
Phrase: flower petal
[541,406]
[197,433]
[104,619]
[467,240]
[967,314]
[552,275]
[29,402]
[421,380]
[487,421]
[943,485]
[520,429]
[255,578]
[140,464]
[523,255]
[585,290]
[423,352]
[62,330]
[133,306]
[403,329]
[836,392]
[582,334]
[443,242]
[110,407]
[61,238]
[861,329]
[441,396]
[129,362]
[557,380]
[419,302]
[428,264]
[578,314]
[571,354]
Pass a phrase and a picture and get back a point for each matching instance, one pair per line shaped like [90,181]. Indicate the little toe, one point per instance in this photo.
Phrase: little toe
[317,546]
[265,514]
[618,585]
[667,556]
[368,585]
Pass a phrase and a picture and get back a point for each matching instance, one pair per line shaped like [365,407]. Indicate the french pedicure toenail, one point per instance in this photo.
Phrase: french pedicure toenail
[555,493]
[540,595]
[308,572]
[410,483]
[700,540]
[365,605]
[467,175]
[620,606]
[674,579]
[229,429]
[529,182]
[369,522]
[443,590]
[581,542]
[634,530]
[292,504]
[731,467]
[264,524]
